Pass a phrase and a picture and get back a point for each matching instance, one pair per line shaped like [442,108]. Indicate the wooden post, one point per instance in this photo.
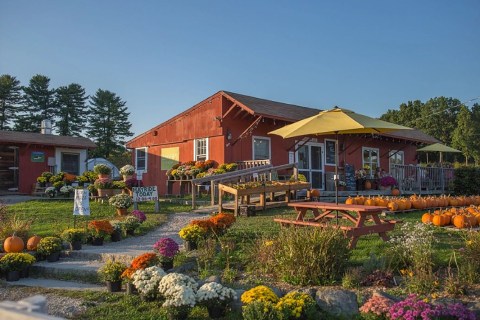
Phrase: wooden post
[220,193]
[212,193]
[194,193]
[157,206]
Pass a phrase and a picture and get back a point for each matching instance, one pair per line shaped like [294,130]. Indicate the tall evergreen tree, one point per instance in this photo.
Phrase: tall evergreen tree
[71,110]
[108,123]
[10,97]
[39,104]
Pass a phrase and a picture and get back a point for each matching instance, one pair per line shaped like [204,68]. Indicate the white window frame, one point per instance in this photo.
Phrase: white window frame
[372,172]
[145,149]
[325,152]
[195,154]
[396,153]
[269,147]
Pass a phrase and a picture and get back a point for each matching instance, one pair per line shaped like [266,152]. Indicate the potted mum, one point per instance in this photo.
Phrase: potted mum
[147,280]
[116,235]
[166,248]
[51,192]
[50,247]
[179,293]
[74,237]
[127,171]
[102,170]
[130,224]
[111,273]
[192,234]
[15,264]
[121,202]
[140,215]
[104,187]
[99,230]
[387,182]
[67,191]
[216,298]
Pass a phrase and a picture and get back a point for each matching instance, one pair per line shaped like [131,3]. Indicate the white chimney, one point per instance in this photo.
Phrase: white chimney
[46,127]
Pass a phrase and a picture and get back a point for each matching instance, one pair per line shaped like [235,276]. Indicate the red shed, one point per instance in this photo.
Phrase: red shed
[229,127]
[25,155]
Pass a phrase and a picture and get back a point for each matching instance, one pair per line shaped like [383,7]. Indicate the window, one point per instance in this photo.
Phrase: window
[200,151]
[261,148]
[141,159]
[370,160]
[396,157]
[70,163]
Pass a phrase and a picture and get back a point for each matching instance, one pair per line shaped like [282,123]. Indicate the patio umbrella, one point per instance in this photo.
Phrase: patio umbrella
[336,121]
[438,147]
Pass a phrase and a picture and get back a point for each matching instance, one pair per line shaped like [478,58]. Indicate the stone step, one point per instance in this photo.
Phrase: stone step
[67,269]
[57,284]
[88,255]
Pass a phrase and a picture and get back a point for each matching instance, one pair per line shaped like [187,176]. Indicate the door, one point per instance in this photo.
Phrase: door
[310,164]
[9,168]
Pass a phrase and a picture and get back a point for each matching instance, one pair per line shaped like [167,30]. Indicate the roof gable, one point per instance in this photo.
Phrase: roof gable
[46,139]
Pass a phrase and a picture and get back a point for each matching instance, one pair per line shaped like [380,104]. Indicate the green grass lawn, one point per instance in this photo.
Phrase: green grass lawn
[51,217]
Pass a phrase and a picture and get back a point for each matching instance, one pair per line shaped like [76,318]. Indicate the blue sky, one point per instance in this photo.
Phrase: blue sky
[162,57]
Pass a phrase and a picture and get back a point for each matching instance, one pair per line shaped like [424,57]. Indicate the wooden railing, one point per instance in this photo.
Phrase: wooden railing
[427,179]
[264,172]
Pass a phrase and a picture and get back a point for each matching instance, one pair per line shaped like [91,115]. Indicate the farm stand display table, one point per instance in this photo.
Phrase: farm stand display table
[355,215]
[245,190]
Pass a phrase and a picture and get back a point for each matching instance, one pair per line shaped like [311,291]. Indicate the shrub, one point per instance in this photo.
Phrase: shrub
[310,255]
[296,305]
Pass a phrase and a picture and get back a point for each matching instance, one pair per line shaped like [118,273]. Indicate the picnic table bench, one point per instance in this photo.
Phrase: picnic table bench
[355,215]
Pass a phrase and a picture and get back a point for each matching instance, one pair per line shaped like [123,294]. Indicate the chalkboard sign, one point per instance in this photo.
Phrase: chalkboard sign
[330,152]
[350,177]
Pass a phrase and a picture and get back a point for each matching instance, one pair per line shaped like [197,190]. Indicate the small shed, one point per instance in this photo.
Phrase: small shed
[25,155]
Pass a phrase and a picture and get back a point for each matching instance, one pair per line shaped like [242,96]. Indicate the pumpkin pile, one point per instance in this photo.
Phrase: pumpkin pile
[467,217]
[414,202]
[15,244]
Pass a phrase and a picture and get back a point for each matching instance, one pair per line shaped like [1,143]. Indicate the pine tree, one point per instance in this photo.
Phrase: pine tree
[10,97]
[71,110]
[39,104]
[108,123]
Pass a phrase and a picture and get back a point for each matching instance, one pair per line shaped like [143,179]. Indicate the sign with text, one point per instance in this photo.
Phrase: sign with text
[169,157]
[141,194]
[81,203]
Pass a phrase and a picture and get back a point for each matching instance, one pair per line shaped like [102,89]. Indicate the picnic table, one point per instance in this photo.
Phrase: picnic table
[355,215]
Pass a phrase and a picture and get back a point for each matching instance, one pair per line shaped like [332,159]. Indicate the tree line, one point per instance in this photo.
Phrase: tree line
[102,117]
[447,119]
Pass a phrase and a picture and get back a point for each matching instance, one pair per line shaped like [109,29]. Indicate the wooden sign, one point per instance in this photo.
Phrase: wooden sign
[81,203]
[141,194]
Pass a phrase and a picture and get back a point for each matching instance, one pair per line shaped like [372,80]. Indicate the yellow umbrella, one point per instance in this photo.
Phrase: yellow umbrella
[336,121]
[438,147]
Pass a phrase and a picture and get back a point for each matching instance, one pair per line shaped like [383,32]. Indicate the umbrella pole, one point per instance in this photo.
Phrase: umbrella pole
[335,177]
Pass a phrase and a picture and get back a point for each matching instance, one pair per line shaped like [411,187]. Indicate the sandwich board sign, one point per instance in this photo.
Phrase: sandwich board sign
[142,194]
[81,204]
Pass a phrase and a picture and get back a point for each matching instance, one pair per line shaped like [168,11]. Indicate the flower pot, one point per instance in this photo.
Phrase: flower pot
[97,241]
[215,312]
[122,211]
[130,232]
[166,265]
[76,245]
[190,245]
[114,286]
[130,288]
[12,275]
[384,188]
[25,272]
[53,257]
[116,236]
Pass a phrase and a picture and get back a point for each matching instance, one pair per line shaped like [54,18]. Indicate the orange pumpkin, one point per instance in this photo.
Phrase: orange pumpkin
[392,206]
[315,193]
[32,243]
[350,200]
[438,220]
[460,222]
[427,217]
[13,244]
[369,202]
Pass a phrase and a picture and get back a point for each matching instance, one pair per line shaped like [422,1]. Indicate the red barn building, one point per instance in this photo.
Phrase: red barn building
[229,127]
[25,155]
